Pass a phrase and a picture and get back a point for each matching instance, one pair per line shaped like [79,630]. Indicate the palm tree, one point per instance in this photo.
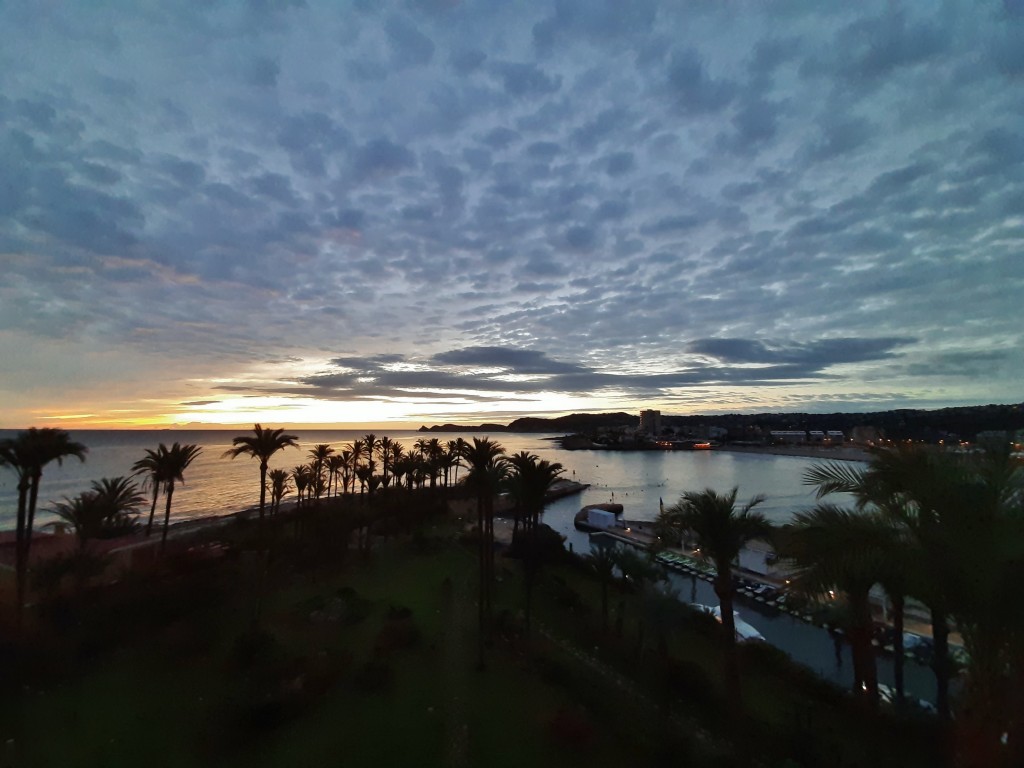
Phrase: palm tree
[335,463]
[319,454]
[279,488]
[384,451]
[602,560]
[486,471]
[109,508]
[831,548]
[397,451]
[454,451]
[302,476]
[262,444]
[896,573]
[529,482]
[27,454]
[175,461]
[712,520]
[369,446]
[349,479]
[151,465]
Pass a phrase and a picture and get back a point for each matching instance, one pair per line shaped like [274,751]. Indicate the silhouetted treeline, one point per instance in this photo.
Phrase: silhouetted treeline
[962,423]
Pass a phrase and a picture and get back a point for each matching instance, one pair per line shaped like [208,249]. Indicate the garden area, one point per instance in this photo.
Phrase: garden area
[349,641]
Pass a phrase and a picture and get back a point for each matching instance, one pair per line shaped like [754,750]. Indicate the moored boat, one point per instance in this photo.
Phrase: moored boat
[599,517]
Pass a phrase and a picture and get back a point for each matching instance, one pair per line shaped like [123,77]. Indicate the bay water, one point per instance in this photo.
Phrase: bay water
[217,485]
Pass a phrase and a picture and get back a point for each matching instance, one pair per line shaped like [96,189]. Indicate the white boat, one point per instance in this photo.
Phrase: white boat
[745,633]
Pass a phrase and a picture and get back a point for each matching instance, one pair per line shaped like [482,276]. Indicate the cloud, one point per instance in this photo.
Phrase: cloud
[669,200]
[820,353]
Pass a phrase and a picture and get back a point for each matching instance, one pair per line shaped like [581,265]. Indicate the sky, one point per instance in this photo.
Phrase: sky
[430,211]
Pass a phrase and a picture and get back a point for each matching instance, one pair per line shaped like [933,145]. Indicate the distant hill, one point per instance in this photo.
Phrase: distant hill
[576,422]
[963,422]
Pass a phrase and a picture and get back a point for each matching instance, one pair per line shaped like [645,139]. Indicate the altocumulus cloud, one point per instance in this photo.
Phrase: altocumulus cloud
[647,201]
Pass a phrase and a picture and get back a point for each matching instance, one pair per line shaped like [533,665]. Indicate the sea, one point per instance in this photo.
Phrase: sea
[639,480]
[215,485]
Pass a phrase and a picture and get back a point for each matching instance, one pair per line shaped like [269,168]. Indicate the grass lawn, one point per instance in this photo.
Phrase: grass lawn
[374,662]
[161,701]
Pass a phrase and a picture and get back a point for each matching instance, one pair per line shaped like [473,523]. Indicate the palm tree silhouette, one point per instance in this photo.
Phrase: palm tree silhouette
[174,461]
[712,520]
[529,482]
[152,466]
[302,476]
[897,572]
[487,469]
[107,509]
[831,548]
[279,488]
[319,454]
[262,444]
[27,454]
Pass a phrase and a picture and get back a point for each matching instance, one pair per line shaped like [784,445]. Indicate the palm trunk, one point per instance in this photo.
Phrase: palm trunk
[940,663]
[481,599]
[152,509]
[20,549]
[167,516]
[898,606]
[864,671]
[263,495]
[33,497]
[723,588]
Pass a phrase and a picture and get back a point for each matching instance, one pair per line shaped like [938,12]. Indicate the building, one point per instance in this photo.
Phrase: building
[788,436]
[650,422]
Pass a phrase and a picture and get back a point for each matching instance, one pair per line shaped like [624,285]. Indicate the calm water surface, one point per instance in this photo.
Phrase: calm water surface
[215,485]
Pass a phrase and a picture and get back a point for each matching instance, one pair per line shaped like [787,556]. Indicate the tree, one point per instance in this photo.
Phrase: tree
[486,471]
[831,548]
[454,451]
[319,454]
[895,573]
[529,481]
[720,531]
[109,508]
[27,454]
[602,559]
[262,444]
[175,461]
[335,465]
[151,466]
[279,488]
[384,451]
[302,476]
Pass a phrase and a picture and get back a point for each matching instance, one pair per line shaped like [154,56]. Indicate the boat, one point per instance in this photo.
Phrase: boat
[745,633]
[599,517]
